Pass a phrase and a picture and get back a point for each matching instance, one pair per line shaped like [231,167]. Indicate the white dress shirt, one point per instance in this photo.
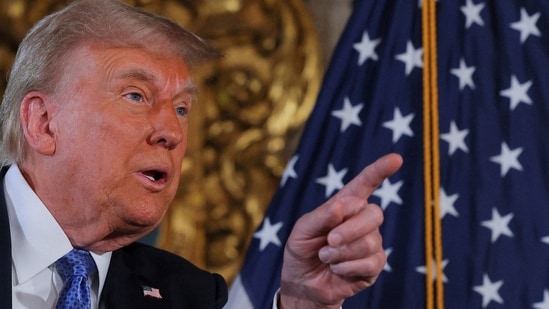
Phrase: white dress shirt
[37,242]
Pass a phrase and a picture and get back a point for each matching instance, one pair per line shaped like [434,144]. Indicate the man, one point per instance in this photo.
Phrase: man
[93,134]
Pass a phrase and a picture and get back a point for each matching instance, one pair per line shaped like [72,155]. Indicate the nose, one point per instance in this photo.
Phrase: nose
[168,129]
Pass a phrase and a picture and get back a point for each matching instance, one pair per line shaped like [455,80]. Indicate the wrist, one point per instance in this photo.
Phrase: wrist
[297,303]
[289,298]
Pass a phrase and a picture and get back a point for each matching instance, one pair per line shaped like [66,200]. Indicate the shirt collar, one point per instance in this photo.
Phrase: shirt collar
[102,261]
[39,239]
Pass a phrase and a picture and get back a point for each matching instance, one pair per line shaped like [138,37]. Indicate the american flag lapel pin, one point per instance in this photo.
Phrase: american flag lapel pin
[152,292]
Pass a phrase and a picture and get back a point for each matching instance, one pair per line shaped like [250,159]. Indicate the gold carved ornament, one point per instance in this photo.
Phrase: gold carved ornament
[251,107]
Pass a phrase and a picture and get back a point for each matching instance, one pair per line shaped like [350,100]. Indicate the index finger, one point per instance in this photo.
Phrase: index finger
[371,177]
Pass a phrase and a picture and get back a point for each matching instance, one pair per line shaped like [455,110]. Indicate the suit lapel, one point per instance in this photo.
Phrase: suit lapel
[5,248]
[123,286]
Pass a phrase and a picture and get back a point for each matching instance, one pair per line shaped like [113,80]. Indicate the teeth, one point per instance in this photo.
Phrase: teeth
[151,178]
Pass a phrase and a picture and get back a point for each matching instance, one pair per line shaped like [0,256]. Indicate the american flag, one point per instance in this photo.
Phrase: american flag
[493,84]
[150,291]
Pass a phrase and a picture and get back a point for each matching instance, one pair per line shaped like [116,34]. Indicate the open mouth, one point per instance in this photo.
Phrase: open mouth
[155,175]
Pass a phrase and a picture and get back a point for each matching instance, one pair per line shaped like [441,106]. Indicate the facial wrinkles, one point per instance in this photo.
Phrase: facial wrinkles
[180,82]
[160,87]
[165,78]
[112,68]
[168,86]
[168,75]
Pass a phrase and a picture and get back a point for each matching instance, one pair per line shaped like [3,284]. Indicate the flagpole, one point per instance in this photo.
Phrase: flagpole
[431,158]
[427,158]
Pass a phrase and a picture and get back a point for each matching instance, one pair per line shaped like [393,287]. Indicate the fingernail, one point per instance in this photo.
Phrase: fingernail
[335,239]
[324,255]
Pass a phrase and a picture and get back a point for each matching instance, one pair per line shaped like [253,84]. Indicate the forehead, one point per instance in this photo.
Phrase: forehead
[112,64]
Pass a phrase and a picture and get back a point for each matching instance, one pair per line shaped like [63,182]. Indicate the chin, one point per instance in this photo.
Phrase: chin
[116,241]
[143,216]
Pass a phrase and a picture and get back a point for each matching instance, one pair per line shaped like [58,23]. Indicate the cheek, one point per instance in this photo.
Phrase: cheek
[90,137]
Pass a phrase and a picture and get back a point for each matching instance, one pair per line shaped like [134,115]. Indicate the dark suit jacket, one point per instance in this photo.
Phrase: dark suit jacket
[181,284]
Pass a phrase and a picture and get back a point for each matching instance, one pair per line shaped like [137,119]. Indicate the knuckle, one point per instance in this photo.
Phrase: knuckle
[376,214]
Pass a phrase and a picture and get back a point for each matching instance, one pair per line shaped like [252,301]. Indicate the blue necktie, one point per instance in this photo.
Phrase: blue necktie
[74,268]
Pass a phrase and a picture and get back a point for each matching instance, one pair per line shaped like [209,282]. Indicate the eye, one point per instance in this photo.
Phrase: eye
[134,96]
[182,111]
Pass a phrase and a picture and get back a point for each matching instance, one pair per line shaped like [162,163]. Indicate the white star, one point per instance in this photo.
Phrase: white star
[545,240]
[387,267]
[447,204]
[333,181]
[526,25]
[508,159]
[388,193]
[268,234]
[498,225]
[517,93]
[489,291]
[348,114]
[400,125]
[423,270]
[543,304]
[289,171]
[472,13]
[366,48]
[464,74]
[411,58]
[455,139]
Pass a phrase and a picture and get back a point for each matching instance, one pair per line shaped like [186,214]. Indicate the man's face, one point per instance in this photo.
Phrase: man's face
[121,132]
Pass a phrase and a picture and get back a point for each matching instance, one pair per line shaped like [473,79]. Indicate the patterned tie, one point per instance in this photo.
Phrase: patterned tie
[74,268]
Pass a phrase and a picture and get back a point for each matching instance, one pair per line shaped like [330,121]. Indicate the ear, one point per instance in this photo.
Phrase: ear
[36,122]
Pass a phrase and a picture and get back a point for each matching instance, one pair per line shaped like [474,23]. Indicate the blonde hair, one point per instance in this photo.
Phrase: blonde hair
[38,65]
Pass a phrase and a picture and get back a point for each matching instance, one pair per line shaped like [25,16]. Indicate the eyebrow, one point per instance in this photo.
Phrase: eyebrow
[190,87]
[142,75]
